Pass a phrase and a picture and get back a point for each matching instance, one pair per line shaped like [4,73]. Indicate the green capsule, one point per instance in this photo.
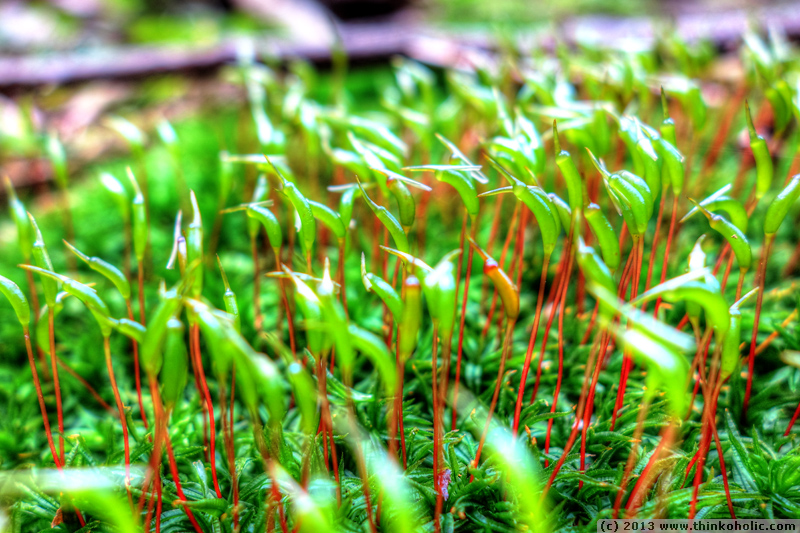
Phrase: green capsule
[672,170]
[131,329]
[229,299]
[405,202]
[464,186]
[780,98]
[118,193]
[42,259]
[730,346]
[107,270]
[270,223]
[779,208]
[58,158]
[411,320]
[140,224]
[601,132]
[215,329]
[642,188]
[305,394]
[630,196]
[687,288]
[18,301]
[349,160]
[762,156]
[439,287]
[260,192]
[84,293]
[375,349]
[308,227]
[628,132]
[630,202]
[379,134]
[383,289]
[697,262]
[667,369]
[329,218]
[151,357]
[604,233]
[506,289]
[457,155]
[346,203]
[175,369]
[737,240]
[194,248]
[21,220]
[412,263]
[562,208]
[371,159]
[129,131]
[720,202]
[650,160]
[569,171]
[336,321]
[533,146]
[540,205]
[667,124]
[597,272]
[395,228]
[311,308]
[225,178]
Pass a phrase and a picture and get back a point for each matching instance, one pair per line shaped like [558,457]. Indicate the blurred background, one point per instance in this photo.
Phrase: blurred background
[65,64]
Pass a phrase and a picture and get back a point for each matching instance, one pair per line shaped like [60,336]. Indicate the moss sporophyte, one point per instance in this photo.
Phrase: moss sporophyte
[292,338]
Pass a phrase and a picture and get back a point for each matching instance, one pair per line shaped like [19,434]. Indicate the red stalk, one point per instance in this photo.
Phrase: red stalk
[637,436]
[792,421]
[654,245]
[555,291]
[587,411]
[604,342]
[35,304]
[724,470]
[529,354]
[579,410]
[708,414]
[173,467]
[590,326]
[644,481]
[627,363]
[160,428]
[666,250]
[760,279]
[500,372]
[563,300]
[122,419]
[136,370]
[40,396]
[502,264]
[498,207]
[56,385]
[456,383]
[198,362]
